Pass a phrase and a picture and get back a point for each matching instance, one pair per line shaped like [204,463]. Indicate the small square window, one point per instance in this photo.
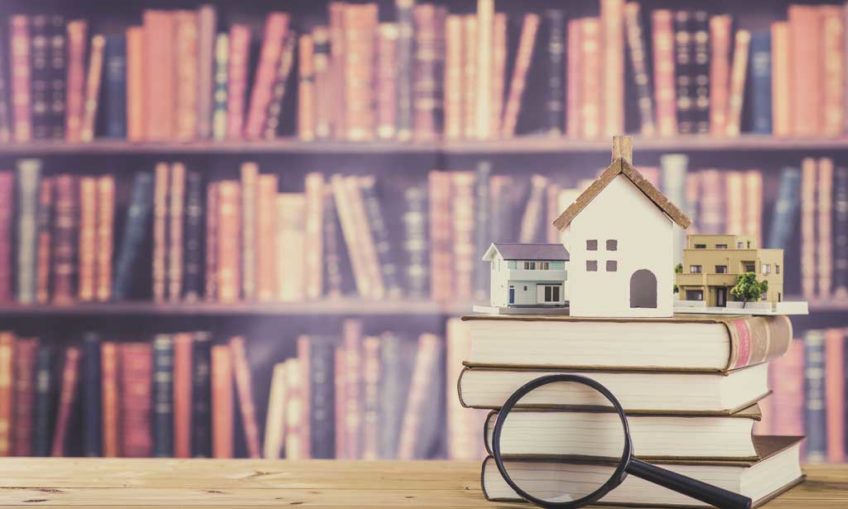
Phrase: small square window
[592,265]
[612,265]
[694,269]
[525,288]
[776,268]
[721,246]
[721,269]
[591,245]
[612,245]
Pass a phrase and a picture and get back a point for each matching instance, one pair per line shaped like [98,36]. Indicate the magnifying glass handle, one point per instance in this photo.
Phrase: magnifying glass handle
[704,492]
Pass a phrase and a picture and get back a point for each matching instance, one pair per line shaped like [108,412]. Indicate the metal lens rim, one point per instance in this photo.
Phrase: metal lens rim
[615,479]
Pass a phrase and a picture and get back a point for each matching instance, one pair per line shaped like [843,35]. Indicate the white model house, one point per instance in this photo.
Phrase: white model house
[527,274]
[619,234]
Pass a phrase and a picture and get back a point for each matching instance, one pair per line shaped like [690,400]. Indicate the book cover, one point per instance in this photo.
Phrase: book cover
[243,379]
[163,396]
[94,77]
[663,48]
[20,76]
[761,82]
[110,384]
[134,232]
[22,421]
[92,391]
[192,284]
[182,399]
[7,359]
[135,400]
[42,430]
[276,28]
[637,46]
[116,86]
[67,399]
[201,396]
[27,179]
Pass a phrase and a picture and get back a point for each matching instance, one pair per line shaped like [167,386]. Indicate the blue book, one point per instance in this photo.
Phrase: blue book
[814,396]
[163,396]
[135,230]
[322,437]
[116,86]
[376,221]
[785,214]
[397,354]
[42,432]
[840,238]
[201,396]
[92,419]
[761,82]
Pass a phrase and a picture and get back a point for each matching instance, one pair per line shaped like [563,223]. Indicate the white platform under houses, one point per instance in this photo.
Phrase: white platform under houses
[751,308]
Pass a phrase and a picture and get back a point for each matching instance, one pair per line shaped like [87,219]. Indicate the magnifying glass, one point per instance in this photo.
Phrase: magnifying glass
[592,458]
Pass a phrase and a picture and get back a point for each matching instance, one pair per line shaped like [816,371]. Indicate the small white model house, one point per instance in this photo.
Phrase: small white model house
[531,275]
[619,234]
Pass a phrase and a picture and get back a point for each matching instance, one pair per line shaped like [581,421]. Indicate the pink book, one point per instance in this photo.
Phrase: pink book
[241,372]
[786,378]
[276,27]
[70,375]
[834,393]
[340,381]
[352,337]
[237,79]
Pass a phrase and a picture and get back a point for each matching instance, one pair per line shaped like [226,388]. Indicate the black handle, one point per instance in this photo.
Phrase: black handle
[704,492]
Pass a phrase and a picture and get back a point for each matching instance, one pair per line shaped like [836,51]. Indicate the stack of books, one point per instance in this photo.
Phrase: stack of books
[691,388]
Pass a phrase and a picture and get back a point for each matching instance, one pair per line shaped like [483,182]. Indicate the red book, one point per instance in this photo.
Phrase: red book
[75,88]
[210,288]
[159,71]
[237,79]
[24,393]
[87,236]
[109,396]
[176,217]
[833,78]
[834,391]
[70,375]
[21,77]
[104,236]
[187,88]
[664,91]
[276,27]
[786,378]
[7,182]
[360,25]
[183,343]
[222,402]
[64,235]
[136,130]
[441,236]
[136,395]
[805,46]
[241,370]
[229,272]
[7,351]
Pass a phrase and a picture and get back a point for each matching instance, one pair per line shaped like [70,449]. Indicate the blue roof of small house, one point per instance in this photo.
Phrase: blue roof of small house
[549,252]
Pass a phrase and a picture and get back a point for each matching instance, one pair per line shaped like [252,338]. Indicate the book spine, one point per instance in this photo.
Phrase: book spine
[385,81]
[814,397]
[135,105]
[275,422]
[91,396]
[266,247]
[323,82]
[337,68]
[380,233]
[574,80]
[42,413]
[809,181]
[785,209]
[405,51]
[427,93]
[210,266]
[136,399]
[162,182]
[344,207]
[499,56]
[5,84]
[39,72]
[612,28]
[241,370]
[207,20]
[87,237]
[290,209]
[7,191]
[221,93]
[683,54]
[590,93]
[65,246]
[313,241]
[135,226]
[840,239]
[700,77]
[176,238]
[228,267]
[482,229]
[7,359]
[163,396]
[45,212]
[201,396]
[160,68]
[805,47]
[334,270]
[638,59]
[249,195]
[737,82]
[321,399]
[413,425]
[28,178]
[104,235]
[664,72]
[781,78]
[92,88]
[278,92]
[186,75]
[352,338]
[70,376]
[441,236]
[238,61]
[834,391]
[276,27]
[110,396]
[415,242]
[21,77]
[833,64]
[116,86]
[824,227]
[340,395]
[306,88]
[554,91]
[371,374]
[761,82]
[484,68]
[182,397]
[518,82]
[462,248]
[453,85]
[75,107]
[720,30]
[222,402]
[24,394]
[193,238]
[469,76]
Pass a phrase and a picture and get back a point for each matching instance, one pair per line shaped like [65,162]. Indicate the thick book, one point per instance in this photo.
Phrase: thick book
[116,86]
[321,397]
[201,391]
[92,417]
[134,233]
[244,386]
[635,30]
[840,229]
[276,28]
[554,23]
[22,423]
[39,82]
[207,24]
[484,387]
[94,78]
[700,72]
[67,400]
[110,382]
[20,76]
[549,433]
[397,354]
[163,396]
[176,223]
[7,359]
[27,179]
[738,76]
[135,399]
[720,37]
[716,343]
[815,416]
[777,469]
[684,46]
[662,36]
[237,68]
[761,82]
[192,284]
[419,432]
[159,79]
[220,96]
[159,259]
[42,418]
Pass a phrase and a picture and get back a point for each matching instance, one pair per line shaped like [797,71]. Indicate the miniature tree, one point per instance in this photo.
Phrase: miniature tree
[748,289]
[678,269]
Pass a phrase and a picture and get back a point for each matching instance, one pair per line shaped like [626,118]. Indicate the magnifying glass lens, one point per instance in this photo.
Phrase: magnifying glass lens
[563,454]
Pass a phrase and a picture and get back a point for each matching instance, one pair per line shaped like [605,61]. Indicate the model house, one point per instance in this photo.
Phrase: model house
[527,274]
[713,263]
[619,234]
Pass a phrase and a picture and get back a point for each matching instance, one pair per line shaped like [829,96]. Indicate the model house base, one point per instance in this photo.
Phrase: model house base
[761,308]
[521,310]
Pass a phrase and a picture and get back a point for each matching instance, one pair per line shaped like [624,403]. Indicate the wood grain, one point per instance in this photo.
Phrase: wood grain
[113,483]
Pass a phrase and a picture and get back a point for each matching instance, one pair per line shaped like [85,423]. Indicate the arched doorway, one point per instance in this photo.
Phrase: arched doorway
[643,289]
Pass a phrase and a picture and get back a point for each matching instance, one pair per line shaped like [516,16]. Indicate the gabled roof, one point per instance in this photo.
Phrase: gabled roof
[544,252]
[621,166]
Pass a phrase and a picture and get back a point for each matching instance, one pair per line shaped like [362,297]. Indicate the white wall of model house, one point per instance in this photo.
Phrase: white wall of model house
[643,238]
[527,286]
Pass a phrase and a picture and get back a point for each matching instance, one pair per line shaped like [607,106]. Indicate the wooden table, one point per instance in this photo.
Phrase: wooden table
[113,483]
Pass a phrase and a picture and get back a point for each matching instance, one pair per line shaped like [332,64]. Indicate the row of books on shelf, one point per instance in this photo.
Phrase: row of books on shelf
[809,394]
[230,240]
[349,395]
[424,75]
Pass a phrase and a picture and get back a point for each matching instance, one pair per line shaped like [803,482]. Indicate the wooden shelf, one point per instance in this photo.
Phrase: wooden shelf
[338,307]
[522,145]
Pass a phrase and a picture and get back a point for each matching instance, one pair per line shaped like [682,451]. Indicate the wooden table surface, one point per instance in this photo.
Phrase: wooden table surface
[113,483]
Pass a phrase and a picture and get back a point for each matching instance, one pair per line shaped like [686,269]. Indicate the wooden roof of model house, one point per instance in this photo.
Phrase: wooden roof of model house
[622,157]
[543,252]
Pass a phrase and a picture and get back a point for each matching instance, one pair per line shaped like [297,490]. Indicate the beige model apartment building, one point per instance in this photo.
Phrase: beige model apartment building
[712,264]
